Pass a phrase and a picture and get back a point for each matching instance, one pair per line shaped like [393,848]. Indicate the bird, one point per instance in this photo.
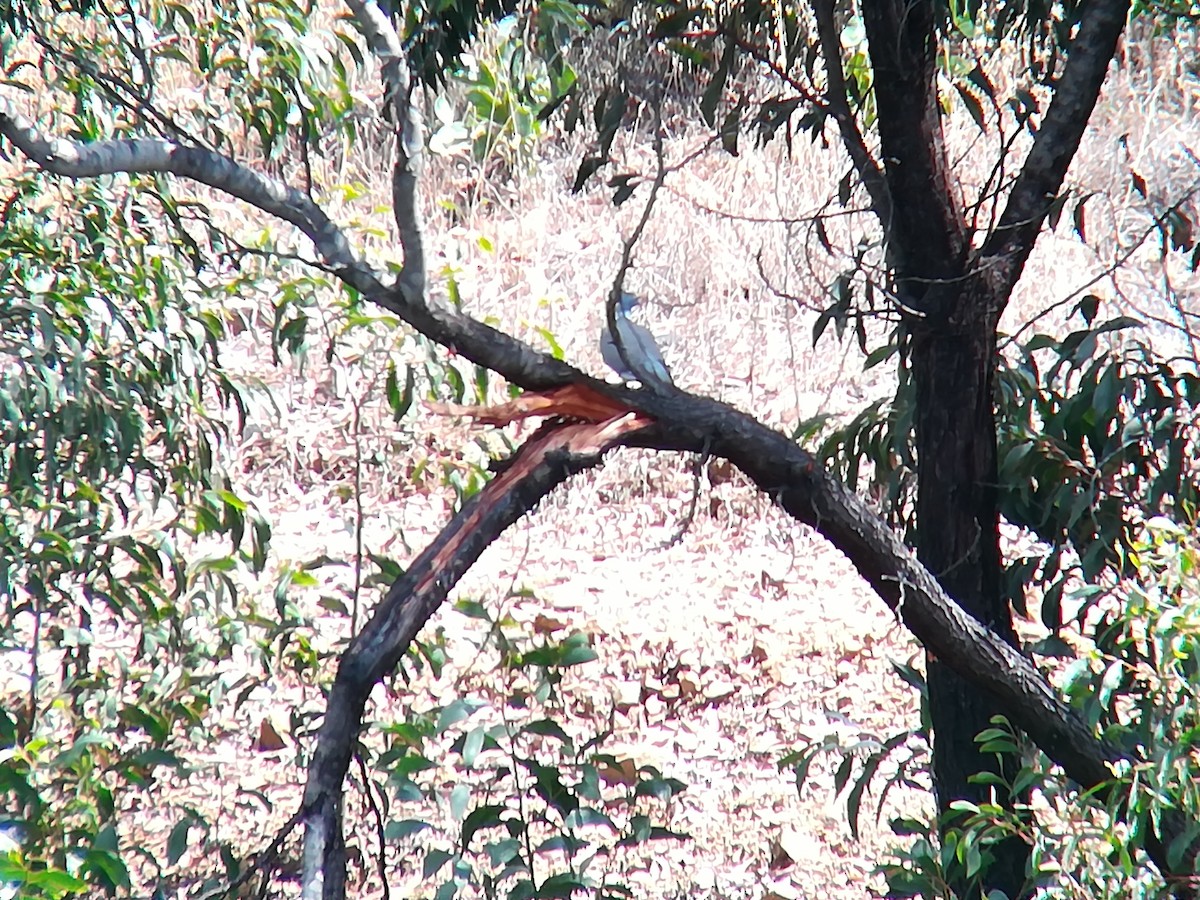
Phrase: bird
[645,359]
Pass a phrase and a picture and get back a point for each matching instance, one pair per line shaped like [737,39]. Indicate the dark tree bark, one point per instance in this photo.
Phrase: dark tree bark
[958,540]
[953,299]
[951,354]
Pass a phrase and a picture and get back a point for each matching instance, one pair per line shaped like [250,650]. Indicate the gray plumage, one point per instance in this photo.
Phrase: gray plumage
[646,361]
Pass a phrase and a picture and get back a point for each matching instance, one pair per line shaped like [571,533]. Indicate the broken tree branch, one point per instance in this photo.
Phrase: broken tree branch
[552,455]
[781,469]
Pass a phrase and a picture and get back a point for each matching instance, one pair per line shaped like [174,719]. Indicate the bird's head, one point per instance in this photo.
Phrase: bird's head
[627,302]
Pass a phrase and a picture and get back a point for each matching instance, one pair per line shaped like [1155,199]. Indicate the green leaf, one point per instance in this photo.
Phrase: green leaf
[577,650]
[674,23]
[472,745]
[731,129]
[399,400]
[460,796]
[562,886]
[108,867]
[434,861]
[587,168]
[501,853]
[404,828]
[550,787]
[844,187]
[1114,676]
[658,787]
[177,841]
[1088,307]
[54,882]
[547,335]
[456,711]
[585,817]
[973,106]
[711,98]
[548,728]
[880,354]
[1077,217]
[479,818]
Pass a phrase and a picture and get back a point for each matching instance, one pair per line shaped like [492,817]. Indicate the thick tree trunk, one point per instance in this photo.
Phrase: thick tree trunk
[952,358]
[953,365]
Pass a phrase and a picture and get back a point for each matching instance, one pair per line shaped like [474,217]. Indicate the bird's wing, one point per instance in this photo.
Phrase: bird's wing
[612,356]
[644,351]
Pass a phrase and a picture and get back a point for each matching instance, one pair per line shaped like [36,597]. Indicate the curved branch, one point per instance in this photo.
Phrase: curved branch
[148,156]
[495,350]
[789,475]
[804,489]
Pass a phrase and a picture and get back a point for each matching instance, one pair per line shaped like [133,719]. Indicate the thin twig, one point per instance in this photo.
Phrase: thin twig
[368,784]
[358,517]
[699,461]
[614,294]
[122,93]
[1117,264]
[265,861]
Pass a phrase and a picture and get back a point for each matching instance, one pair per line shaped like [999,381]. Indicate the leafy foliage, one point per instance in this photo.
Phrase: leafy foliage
[1093,441]
[865,759]
[438,34]
[509,79]
[1137,683]
[1093,444]
[276,75]
[113,515]
[1097,448]
[537,809]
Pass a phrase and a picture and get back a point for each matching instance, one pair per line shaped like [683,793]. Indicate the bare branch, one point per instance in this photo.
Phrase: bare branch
[152,156]
[835,96]
[699,461]
[410,138]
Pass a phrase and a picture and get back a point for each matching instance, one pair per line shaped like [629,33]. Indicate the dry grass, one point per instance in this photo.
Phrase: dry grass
[767,607]
[779,635]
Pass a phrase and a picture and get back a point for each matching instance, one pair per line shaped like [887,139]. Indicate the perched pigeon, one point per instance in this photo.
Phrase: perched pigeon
[646,361]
